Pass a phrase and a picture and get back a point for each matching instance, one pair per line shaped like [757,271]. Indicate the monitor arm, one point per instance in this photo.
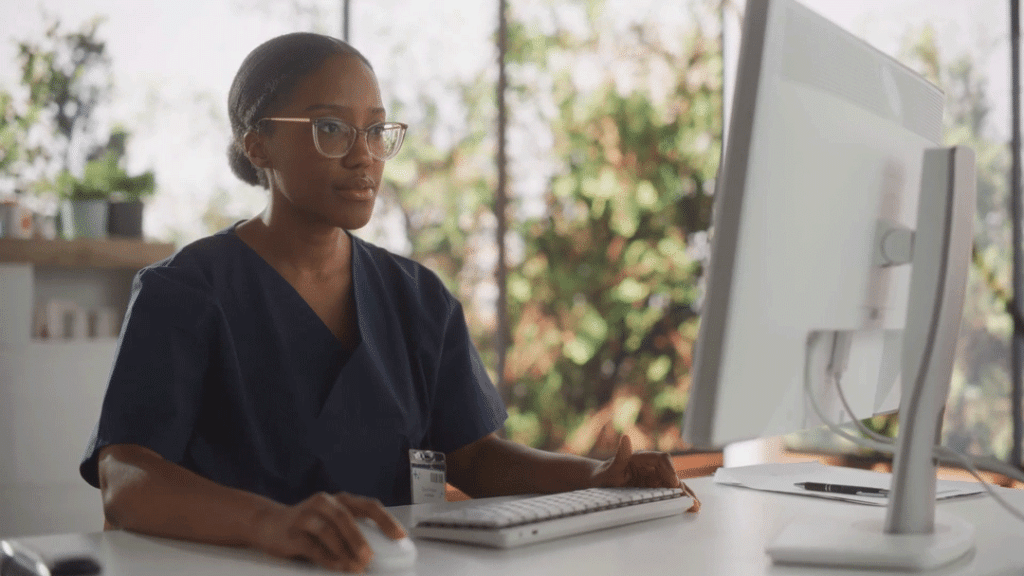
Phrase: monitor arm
[941,256]
[911,536]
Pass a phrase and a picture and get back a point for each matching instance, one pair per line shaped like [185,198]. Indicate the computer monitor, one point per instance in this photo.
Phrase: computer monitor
[830,182]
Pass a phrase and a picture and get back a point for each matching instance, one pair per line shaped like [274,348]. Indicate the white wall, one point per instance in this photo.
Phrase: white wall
[50,397]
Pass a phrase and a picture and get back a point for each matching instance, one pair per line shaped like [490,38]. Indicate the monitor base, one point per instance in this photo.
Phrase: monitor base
[862,543]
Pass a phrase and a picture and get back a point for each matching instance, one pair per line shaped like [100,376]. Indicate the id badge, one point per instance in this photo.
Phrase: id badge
[427,469]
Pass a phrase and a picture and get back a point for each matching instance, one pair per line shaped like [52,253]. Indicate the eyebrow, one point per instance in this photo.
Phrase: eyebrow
[341,108]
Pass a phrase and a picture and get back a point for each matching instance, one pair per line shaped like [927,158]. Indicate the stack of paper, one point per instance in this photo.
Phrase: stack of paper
[786,477]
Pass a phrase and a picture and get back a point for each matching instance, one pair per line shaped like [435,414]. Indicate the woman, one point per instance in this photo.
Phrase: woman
[271,379]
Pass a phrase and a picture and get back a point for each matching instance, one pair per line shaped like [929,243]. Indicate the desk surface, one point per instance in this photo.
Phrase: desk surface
[727,537]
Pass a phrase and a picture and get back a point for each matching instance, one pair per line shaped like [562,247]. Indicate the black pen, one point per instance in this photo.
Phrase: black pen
[843,489]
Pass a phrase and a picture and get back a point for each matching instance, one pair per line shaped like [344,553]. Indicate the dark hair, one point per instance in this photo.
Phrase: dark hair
[267,76]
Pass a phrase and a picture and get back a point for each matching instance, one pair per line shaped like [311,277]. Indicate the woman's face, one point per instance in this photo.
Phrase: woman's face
[339,192]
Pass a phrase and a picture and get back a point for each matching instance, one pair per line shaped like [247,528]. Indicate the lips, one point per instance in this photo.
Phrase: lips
[356,190]
[361,183]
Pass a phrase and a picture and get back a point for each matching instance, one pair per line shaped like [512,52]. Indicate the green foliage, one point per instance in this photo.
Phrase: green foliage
[86,188]
[18,151]
[607,279]
[105,177]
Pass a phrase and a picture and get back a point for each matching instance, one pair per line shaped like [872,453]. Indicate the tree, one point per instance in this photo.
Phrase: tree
[603,302]
[18,152]
[978,412]
[604,287]
[66,75]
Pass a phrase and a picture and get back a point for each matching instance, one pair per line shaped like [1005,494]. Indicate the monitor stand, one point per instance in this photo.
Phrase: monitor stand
[912,536]
[859,540]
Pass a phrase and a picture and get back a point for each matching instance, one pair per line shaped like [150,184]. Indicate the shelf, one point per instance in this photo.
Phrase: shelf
[73,342]
[104,253]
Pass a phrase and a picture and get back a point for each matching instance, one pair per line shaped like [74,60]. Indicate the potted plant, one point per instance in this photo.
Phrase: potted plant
[83,210]
[106,200]
[125,204]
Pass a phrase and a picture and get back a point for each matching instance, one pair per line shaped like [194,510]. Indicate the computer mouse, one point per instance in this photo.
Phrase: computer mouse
[75,566]
[56,556]
[388,555]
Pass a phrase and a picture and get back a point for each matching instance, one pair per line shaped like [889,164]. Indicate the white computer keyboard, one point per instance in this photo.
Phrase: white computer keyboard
[538,518]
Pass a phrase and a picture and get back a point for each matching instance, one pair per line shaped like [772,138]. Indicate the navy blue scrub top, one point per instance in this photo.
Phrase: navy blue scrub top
[223,368]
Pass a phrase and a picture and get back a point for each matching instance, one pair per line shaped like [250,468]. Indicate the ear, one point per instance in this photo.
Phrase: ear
[256,149]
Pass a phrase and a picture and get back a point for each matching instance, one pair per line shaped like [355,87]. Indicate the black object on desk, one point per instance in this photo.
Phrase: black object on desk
[843,489]
[16,559]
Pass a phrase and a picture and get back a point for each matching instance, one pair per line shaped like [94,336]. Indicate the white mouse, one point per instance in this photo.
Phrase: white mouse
[388,555]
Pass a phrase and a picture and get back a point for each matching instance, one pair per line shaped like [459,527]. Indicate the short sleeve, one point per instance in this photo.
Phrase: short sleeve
[156,383]
[467,405]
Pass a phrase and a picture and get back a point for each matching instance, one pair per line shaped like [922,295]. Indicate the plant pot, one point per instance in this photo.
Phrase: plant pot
[15,220]
[84,218]
[125,219]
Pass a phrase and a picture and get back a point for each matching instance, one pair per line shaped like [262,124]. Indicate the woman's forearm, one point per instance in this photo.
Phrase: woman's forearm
[145,493]
[494,466]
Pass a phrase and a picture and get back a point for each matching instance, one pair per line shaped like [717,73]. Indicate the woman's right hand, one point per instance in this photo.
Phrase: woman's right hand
[323,530]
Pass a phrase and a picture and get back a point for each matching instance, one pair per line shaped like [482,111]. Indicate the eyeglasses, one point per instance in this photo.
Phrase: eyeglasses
[334,138]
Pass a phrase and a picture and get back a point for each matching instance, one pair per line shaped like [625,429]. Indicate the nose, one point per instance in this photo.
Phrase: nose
[359,154]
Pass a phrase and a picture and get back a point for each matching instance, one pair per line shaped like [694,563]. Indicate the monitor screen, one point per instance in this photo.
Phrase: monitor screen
[825,143]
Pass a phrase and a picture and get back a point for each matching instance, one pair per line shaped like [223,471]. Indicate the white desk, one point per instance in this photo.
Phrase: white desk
[726,538]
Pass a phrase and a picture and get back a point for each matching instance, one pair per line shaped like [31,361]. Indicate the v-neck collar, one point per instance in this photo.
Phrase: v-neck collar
[301,302]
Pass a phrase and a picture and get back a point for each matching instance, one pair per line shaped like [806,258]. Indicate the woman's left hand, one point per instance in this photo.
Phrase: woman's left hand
[639,469]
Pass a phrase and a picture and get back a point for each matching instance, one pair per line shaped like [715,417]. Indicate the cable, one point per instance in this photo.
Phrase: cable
[886,445]
[969,463]
[941,452]
[849,412]
[966,461]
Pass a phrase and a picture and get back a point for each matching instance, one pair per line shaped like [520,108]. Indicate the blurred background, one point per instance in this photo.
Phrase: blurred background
[614,134]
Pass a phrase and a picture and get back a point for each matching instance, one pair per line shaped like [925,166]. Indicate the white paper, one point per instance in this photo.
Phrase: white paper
[783,477]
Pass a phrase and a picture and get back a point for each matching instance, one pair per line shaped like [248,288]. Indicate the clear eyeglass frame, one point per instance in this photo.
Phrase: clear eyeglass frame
[392,136]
